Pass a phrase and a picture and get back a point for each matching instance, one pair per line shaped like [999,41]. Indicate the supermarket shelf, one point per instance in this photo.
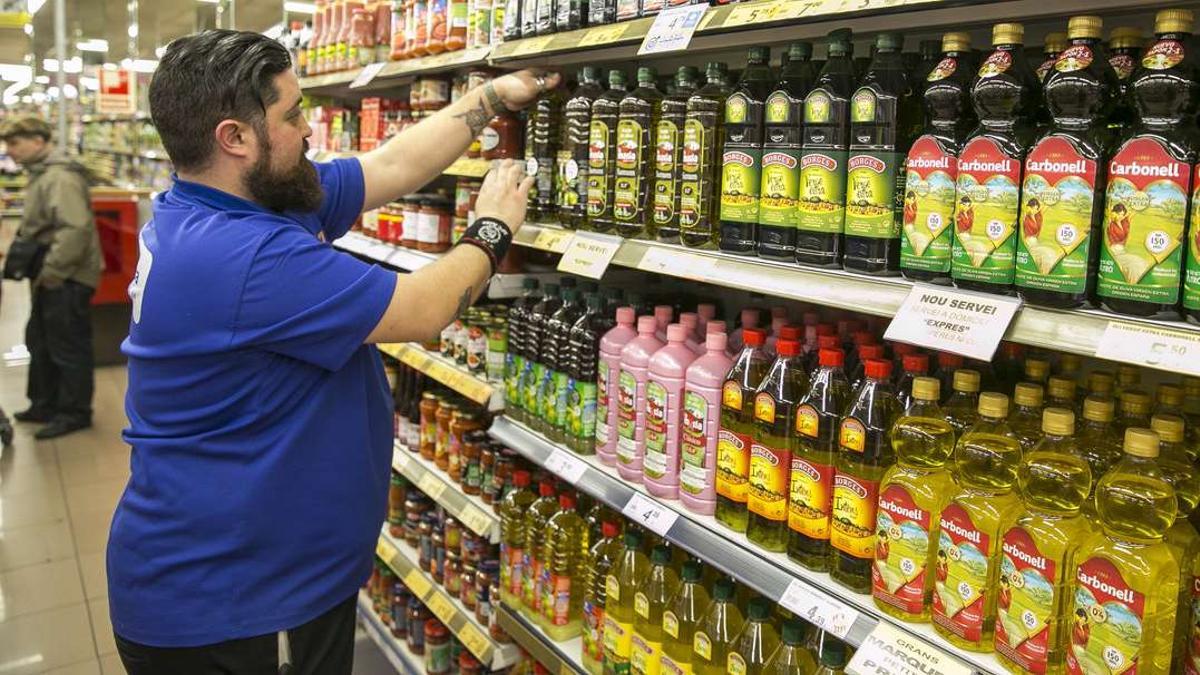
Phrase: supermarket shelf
[394,73]
[144,154]
[814,596]
[467,509]
[460,620]
[393,650]
[447,372]
[466,167]
[561,658]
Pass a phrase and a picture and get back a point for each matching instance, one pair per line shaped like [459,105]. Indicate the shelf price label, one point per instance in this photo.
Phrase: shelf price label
[889,651]
[475,642]
[677,263]
[385,551]
[476,520]
[431,485]
[565,466]
[601,35]
[1160,348]
[531,45]
[417,582]
[553,240]
[828,614]
[400,460]
[652,515]
[672,29]
[589,254]
[367,74]
[441,607]
[970,324]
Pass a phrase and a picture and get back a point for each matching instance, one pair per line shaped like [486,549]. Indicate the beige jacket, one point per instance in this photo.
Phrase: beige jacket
[58,212]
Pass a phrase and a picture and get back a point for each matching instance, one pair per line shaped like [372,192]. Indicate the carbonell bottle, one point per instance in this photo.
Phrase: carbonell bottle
[606,375]
[664,405]
[701,421]
[631,398]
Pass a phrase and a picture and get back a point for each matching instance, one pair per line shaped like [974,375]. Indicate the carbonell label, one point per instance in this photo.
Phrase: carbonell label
[929,193]
[899,574]
[1025,601]
[961,574]
[1105,621]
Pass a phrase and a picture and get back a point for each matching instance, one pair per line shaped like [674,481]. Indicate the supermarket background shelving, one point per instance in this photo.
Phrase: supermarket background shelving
[448,372]
[394,650]
[469,510]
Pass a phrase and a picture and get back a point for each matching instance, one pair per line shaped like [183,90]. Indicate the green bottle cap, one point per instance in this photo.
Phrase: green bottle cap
[529,283]
[760,609]
[692,571]
[723,590]
[551,289]
[889,42]
[633,538]
[589,73]
[570,294]
[833,652]
[714,70]
[594,301]
[839,42]
[616,78]
[800,51]
[686,74]
[759,55]
[793,632]
[646,75]
[660,555]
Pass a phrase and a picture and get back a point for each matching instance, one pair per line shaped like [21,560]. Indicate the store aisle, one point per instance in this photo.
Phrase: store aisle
[56,503]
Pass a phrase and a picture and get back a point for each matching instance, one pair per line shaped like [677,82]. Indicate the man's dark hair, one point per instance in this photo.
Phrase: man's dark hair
[208,77]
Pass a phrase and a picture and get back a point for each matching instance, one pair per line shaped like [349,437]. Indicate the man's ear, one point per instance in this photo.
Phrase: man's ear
[234,138]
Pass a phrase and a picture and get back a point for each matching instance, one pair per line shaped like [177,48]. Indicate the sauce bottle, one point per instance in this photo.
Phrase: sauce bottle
[821,208]
[932,166]
[774,441]
[634,168]
[1058,247]
[783,118]
[864,454]
[1052,45]
[703,137]
[668,149]
[664,412]
[608,368]
[737,430]
[1141,257]
[741,159]
[602,137]
[1006,95]
[885,119]
[700,426]
[577,118]
[631,398]
[581,367]
[755,643]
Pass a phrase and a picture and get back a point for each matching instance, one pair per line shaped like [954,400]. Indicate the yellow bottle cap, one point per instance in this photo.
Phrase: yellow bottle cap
[1097,409]
[1086,26]
[956,42]
[1062,387]
[1055,43]
[1174,21]
[1028,394]
[966,380]
[1128,376]
[926,388]
[1135,402]
[1170,394]
[1070,364]
[1125,36]
[1036,369]
[993,404]
[1058,421]
[1141,442]
[1101,382]
[1008,34]
[1168,427]
[1191,385]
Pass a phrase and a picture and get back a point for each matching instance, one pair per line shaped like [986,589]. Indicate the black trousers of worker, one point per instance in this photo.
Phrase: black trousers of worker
[59,339]
[323,646]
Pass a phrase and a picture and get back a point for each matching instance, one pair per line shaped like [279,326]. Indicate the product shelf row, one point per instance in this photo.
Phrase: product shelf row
[461,621]
[467,509]
[813,596]
[144,154]
[463,167]
[395,651]
[448,373]
[559,658]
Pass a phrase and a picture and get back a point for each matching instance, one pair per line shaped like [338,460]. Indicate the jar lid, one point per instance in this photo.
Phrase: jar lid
[1174,21]
[1085,26]
[966,380]
[993,404]
[435,628]
[926,388]
[1058,421]
[1008,34]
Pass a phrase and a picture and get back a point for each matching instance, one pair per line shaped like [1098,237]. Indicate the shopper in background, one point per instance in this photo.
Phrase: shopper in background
[59,237]
[259,414]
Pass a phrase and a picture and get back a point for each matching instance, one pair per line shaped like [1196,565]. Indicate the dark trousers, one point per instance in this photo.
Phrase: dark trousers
[323,646]
[59,339]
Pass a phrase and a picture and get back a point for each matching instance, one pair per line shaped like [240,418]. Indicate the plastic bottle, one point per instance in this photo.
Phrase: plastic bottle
[680,618]
[864,454]
[947,365]
[911,496]
[577,118]
[783,117]
[792,657]
[810,494]
[771,452]
[583,346]
[545,135]
[700,427]
[703,139]
[602,556]
[653,593]
[1129,574]
[633,190]
[821,209]
[555,350]
[915,365]
[663,315]
[1037,370]
[664,413]
[755,643]
[622,581]
[967,568]
[962,408]
[694,338]
[748,319]
[536,517]
[1128,377]
[1037,552]
[631,398]
[512,538]
[564,569]
[608,369]
[1060,393]
[833,657]
[1180,470]
[737,431]
[663,219]
[1026,416]
[532,332]
[514,360]
[602,153]
[741,159]
[713,638]
[1133,410]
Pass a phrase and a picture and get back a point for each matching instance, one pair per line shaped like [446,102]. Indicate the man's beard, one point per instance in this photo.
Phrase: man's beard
[296,189]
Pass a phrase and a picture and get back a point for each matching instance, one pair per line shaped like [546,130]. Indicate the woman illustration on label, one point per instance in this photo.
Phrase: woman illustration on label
[964,220]
[942,566]
[881,545]
[910,209]
[1081,631]
[1032,225]
[1118,228]
[1005,598]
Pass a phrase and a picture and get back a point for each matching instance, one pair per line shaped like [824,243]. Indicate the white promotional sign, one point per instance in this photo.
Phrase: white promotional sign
[947,320]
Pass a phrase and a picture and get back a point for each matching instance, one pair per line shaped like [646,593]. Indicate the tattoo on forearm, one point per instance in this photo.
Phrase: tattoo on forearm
[493,99]
[475,118]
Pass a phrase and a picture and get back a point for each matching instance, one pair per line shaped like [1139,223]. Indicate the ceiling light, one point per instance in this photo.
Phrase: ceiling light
[72,65]
[92,45]
[300,7]
[133,30]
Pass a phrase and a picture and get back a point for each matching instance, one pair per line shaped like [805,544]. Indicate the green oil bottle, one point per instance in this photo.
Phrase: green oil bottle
[680,618]
[783,117]
[572,197]
[703,138]
[741,158]
[634,165]
[755,643]
[602,153]
[792,657]
[668,150]
[713,638]
[773,445]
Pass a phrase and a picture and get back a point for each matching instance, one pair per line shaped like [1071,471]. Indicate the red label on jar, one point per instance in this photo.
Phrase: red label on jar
[1123,64]
[898,575]
[1025,601]
[960,574]
[1075,57]
[997,62]
[1163,54]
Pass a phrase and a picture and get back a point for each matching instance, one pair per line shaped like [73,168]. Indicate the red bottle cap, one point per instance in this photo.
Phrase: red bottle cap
[870,352]
[829,342]
[521,478]
[832,358]
[916,363]
[787,347]
[609,529]
[791,333]
[546,487]
[566,501]
[826,329]
[863,337]
[878,369]
[903,349]
[948,360]
[754,337]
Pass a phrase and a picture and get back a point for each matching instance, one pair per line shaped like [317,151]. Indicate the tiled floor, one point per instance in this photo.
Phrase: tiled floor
[56,502]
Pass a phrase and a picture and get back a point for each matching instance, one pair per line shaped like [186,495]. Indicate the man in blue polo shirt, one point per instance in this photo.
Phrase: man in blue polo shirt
[259,415]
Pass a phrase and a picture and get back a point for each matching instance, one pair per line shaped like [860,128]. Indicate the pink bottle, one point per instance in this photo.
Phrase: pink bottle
[663,314]
[701,421]
[607,369]
[707,312]
[714,326]
[749,320]
[664,411]
[691,322]
[631,398]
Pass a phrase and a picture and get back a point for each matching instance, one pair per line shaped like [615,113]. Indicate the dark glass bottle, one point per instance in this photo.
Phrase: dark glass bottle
[512,19]
[514,359]
[634,168]
[699,183]
[584,348]
[570,14]
[930,55]
[1144,239]
[577,117]
[1006,95]
[545,116]
[741,157]
[1058,246]
[885,119]
[783,127]
[556,358]
[1052,46]
[602,134]
[1125,44]
[668,147]
[601,12]
[533,333]
[932,166]
[826,138]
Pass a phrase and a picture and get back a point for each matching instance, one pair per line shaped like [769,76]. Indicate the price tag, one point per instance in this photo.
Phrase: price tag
[672,29]
[1160,348]
[601,35]
[367,74]
[677,263]
[385,551]
[652,515]
[475,642]
[431,485]
[531,45]
[753,12]
[824,612]
[889,651]
[400,460]
[417,582]
[553,240]
[476,520]
[414,358]
[441,607]
[970,324]
[589,254]
[562,464]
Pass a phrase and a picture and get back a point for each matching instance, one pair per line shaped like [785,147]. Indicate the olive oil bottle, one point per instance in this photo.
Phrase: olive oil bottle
[713,638]
[1180,470]
[572,196]
[774,443]
[1026,416]
[737,430]
[962,408]
[668,149]
[623,579]
[756,641]
[634,166]
[680,618]
[703,139]
[792,657]
[602,153]
[784,125]
[648,604]
[741,159]
[601,558]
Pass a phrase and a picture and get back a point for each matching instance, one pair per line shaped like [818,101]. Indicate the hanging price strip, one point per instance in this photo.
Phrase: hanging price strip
[400,461]
[565,466]
[441,607]
[824,612]
[1161,348]
[531,45]
[417,582]
[675,263]
[431,485]
[476,520]
[394,350]
[753,13]
[475,642]
[385,551]
[650,514]
[602,35]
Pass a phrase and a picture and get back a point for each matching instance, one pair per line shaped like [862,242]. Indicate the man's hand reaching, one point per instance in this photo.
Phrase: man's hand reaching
[504,194]
[521,88]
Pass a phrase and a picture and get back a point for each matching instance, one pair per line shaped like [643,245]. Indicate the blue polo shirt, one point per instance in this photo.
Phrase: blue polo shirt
[260,423]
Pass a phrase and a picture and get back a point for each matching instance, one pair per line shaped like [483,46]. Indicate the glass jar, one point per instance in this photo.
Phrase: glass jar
[452,573]
[396,503]
[477,342]
[415,507]
[457,230]
[399,46]
[437,555]
[438,17]
[409,220]
[471,203]
[500,477]
[437,648]
[487,464]
[425,543]
[497,348]
[474,442]
[383,29]
[466,591]
[447,337]
[460,336]
[494,630]
[418,614]
[433,225]
[469,665]
[501,139]
[401,596]
[453,532]
[485,576]
[429,410]
[445,413]
[462,197]
[464,421]
[481,26]
[456,38]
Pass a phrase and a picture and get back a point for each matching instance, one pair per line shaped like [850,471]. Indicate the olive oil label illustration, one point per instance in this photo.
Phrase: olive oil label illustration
[769,481]
[929,190]
[693,474]
[597,199]
[666,142]
[780,187]
[1144,216]
[901,549]
[1123,64]
[1106,621]
[1191,280]
[997,62]
[961,574]
[986,207]
[855,503]
[655,461]
[740,180]
[821,200]
[810,491]
[733,465]
[944,68]
[628,170]
[1056,214]
[602,374]
[1025,601]
[626,415]
[1075,57]
[1163,55]
[870,194]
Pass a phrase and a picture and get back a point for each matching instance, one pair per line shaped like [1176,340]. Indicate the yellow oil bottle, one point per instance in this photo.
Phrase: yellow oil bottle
[1102,384]
[649,601]
[1178,468]
[536,517]
[1069,366]
[680,618]
[792,657]
[833,657]
[911,497]
[1037,559]
[512,538]
[1128,377]
[1168,399]
[962,407]
[715,631]
[1127,585]
[1037,370]
[755,643]
[966,570]
[620,585]
[1191,407]
[1060,393]
[1133,410]
[774,442]
[1098,443]
[604,553]
[563,569]
[1026,416]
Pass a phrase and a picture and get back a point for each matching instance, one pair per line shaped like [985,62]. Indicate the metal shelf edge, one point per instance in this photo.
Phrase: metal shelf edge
[560,658]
